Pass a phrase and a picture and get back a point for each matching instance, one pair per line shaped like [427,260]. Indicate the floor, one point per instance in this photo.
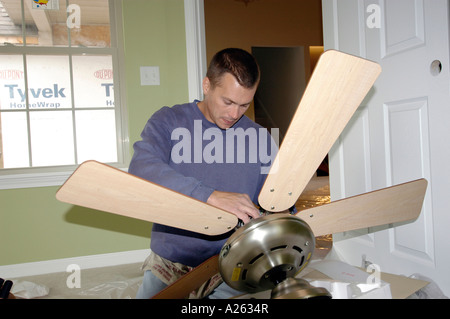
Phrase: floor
[122,282]
[115,282]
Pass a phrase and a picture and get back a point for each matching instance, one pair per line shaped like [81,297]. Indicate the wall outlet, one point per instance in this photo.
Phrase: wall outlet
[150,75]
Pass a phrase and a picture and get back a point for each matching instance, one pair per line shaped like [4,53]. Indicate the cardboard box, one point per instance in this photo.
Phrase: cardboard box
[344,281]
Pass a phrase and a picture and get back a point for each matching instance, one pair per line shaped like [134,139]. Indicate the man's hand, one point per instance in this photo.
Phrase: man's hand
[235,203]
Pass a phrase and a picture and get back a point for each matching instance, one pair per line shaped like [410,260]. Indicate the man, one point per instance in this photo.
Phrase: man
[206,150]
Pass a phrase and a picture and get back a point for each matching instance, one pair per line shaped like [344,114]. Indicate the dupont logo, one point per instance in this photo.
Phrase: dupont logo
[11,74]
[104,74]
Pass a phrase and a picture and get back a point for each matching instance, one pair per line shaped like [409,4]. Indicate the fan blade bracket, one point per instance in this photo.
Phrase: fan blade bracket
[289,194]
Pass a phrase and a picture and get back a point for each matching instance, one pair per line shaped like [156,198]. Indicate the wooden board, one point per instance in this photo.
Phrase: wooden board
[102,187]
[191,281]
[337,87]
[389,205]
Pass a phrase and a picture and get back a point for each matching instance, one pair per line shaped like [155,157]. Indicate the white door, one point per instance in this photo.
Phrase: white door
[400,133]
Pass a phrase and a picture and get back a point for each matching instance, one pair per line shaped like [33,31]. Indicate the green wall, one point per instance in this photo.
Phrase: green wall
[34,226]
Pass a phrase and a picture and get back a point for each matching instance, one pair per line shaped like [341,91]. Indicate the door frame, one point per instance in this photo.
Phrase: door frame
[194,14]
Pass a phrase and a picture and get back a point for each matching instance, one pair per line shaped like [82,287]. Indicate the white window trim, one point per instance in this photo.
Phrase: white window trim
[56,176]
[34,180]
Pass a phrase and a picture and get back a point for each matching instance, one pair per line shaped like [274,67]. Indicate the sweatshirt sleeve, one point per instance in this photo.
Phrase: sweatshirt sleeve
[152,157]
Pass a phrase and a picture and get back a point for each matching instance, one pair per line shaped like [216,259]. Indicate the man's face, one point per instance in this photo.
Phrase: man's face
[225,103]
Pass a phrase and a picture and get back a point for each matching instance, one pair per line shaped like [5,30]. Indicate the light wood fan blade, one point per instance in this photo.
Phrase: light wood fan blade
[102,187]
[389,205]
[338,85]
[192,280]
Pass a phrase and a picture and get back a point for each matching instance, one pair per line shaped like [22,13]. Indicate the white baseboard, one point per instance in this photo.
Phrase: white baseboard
[84,262]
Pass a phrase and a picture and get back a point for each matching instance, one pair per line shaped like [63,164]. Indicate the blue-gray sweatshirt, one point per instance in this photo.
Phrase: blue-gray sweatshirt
[180,149]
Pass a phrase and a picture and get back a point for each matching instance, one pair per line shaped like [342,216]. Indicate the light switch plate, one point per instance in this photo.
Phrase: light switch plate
[150,75]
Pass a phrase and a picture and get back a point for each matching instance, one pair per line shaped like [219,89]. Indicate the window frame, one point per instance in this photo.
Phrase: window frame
[29,177]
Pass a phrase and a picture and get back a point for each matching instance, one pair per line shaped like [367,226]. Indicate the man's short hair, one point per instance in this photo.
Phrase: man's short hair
[239,63]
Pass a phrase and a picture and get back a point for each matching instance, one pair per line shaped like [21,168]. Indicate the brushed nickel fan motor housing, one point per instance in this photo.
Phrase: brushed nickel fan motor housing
[266,251]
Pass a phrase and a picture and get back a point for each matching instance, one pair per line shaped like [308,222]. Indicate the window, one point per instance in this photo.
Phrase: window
[60,101]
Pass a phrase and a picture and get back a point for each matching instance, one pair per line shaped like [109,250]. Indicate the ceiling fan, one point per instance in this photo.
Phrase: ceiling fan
[268,252]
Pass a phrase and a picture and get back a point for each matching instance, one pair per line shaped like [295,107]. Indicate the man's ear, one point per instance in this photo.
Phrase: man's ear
[206,84]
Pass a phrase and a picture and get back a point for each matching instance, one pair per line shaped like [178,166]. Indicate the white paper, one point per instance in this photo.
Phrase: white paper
[28,290]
